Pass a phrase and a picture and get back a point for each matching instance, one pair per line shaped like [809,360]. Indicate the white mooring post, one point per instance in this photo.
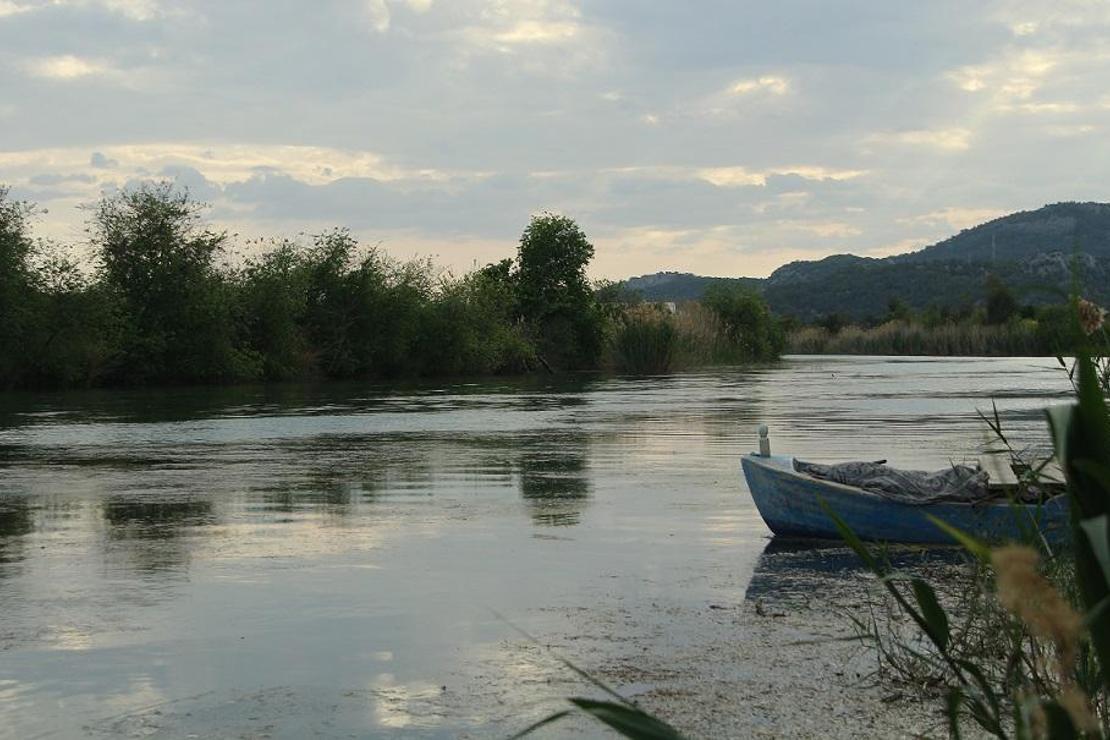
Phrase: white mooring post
[764,441]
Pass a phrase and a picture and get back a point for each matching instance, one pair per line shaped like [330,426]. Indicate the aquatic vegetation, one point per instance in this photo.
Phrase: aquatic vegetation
[651,338]
[646,342]
[1019,337]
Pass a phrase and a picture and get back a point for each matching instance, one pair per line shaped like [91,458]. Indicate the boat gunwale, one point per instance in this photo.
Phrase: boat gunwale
[764,463]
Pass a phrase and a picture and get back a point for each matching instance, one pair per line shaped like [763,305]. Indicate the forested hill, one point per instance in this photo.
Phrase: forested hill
[1061,227]
[1031,251]
[681,286]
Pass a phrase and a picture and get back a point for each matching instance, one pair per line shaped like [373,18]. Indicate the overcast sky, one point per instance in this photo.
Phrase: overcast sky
[720,137]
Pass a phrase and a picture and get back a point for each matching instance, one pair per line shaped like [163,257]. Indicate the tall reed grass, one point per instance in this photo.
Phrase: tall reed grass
[649,339]
[1018,338]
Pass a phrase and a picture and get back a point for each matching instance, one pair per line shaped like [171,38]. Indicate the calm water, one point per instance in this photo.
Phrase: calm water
[297,561]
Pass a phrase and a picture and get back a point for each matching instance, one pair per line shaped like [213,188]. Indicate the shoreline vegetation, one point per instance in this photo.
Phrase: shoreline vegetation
[1024,338]
[998,328]
[165,300]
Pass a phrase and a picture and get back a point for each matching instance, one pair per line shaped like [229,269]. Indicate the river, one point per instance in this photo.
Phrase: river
[348,560]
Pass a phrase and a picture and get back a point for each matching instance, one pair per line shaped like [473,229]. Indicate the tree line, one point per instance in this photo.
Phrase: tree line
[162,301]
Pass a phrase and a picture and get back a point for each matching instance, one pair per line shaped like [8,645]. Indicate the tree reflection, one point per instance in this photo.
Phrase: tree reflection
[327,495]
[16,521]
[150,530]
[554,481]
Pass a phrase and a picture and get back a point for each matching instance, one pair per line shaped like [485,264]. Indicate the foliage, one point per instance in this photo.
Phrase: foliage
[273,303]
[898,310]
[158,261]
[652,339]
[645,343]
[554,296]
[17,288]
[1001,304]
[747,320]
[1020,338]
[162,303]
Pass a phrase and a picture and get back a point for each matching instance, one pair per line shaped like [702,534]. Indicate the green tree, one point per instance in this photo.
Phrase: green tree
[274,305]
[157,258]
[898,310]
[553,294]
[17,288]
[1001,304]
[748,322]
[833,322]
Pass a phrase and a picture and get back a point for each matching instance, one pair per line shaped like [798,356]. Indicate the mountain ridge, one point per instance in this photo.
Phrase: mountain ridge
[1032,251]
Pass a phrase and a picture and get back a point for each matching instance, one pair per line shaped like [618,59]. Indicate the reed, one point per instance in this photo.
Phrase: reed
[1017,338]
[650,339]
[646,342]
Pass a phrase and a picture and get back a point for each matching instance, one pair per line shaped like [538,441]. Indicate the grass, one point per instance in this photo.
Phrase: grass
[1018,338]
[649,340]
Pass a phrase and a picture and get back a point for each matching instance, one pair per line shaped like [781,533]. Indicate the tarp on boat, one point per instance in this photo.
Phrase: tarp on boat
[958,483]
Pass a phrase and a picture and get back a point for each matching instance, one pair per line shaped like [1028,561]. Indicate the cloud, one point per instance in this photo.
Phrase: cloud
[727,140]
[947,139]
[101,162]
[57,179]
[956,217]
[738,176]
[771,84]
[1016,76]
[8,8]
[536,32]
[380,17]
[66,67]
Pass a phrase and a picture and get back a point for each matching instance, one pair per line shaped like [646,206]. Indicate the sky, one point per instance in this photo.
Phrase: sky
[717,137]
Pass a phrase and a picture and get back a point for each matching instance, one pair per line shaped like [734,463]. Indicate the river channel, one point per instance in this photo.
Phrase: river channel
[353,560]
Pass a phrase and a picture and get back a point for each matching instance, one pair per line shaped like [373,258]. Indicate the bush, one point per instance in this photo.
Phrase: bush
[158,261]
[747,320]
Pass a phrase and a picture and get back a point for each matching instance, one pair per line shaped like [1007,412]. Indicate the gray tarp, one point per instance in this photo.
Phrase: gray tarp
[959,483]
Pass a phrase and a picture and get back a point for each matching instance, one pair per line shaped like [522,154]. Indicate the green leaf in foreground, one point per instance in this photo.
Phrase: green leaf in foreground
[542,723]
[622,715]
[630,722]
[932,611]
[1097,530]
[976,547]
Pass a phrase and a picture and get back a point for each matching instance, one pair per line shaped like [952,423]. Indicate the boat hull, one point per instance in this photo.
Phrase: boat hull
[790,504]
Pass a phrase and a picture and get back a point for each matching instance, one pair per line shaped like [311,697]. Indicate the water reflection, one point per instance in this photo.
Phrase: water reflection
[554,481]
[330,496]
[792,571]
[151,531]
[16,521]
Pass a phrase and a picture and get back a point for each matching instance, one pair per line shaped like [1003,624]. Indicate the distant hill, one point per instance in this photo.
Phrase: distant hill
[1031,251]
[1061,227]
[681,286]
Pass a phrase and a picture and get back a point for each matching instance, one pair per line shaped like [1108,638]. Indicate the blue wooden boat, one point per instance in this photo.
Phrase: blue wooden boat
[789,502]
